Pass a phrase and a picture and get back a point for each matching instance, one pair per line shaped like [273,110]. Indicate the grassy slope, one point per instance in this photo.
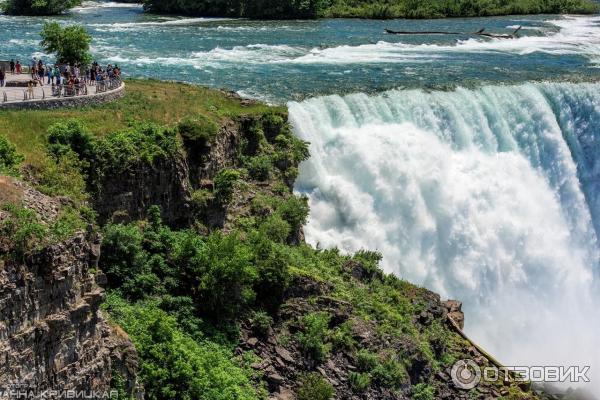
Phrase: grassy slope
[146,100]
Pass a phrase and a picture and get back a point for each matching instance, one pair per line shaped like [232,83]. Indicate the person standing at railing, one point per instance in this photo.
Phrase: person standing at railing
[2,77]
[56,75]
[18,67]
[12,67]
[30,90]
[48,74]
[41,72]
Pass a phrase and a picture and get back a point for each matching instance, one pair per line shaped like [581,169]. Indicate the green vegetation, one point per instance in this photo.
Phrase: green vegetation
[198,129]
[145,102]
[384,9]
[314,335]
[423,391]
[24,230]
[10,159]
[264,9]
[225,184]
[177,366]
[37,7]
[359,381]
[70,44]
[381,9]
[314,387]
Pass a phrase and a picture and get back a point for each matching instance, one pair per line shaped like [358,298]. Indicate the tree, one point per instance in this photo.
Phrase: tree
[38,7]
[71,44]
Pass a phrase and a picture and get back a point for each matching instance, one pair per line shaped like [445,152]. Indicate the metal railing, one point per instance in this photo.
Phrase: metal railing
[107,85]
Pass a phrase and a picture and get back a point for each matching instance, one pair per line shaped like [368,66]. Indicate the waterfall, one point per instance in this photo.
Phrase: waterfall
[490,196]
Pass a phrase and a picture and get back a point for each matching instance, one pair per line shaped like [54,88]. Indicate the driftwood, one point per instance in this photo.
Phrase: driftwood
[421,32]
[480,32]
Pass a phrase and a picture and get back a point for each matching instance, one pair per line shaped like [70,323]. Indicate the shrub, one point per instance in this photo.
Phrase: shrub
[63,177]
[70,44]
[314,387]
[275,228]
[22,228]
[359,381]
[224,185]
[390,373]
[261,322]
[198,129]
[10,160]
[259,167]
[71,136]
[366,360]
[295,211]
[423,391]
[142,143]
[173,365]
[313,337]
[201,199]
[125,261]
[67,223]
[370,262]
[224,274]
[272,263]
[342,337]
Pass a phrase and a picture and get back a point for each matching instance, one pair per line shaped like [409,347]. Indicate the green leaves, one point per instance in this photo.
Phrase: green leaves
[10,160]
[175,366]
[37,7]
[225,184]
[70,44]
[314,336]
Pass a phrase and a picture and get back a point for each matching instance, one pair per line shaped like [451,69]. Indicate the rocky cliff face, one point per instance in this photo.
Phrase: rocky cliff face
[52,333]
[126,197]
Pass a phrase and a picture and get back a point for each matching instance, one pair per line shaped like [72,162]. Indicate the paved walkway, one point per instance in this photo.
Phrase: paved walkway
[19,94]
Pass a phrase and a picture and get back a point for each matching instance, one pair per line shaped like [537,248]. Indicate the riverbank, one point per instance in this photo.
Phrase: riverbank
[382,9]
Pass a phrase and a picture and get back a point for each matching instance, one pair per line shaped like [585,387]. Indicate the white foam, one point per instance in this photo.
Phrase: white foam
[94,5]
[251,54]
[162,22]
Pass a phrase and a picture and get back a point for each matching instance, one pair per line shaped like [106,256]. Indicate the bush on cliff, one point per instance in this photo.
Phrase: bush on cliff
[10,159]
[71,136]
[173,365]
[224,273]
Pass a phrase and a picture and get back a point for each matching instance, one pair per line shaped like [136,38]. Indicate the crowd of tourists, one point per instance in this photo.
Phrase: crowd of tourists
[63,74]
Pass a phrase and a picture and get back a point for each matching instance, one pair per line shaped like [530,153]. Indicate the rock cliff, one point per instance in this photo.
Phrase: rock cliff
[53,335]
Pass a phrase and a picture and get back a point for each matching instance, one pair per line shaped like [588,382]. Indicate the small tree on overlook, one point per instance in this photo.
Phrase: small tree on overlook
[70,44]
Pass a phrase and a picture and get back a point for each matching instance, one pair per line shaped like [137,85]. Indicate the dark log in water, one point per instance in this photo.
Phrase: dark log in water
[480,32]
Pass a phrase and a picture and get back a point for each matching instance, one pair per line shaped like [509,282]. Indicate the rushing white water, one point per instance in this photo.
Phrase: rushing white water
[489,196]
